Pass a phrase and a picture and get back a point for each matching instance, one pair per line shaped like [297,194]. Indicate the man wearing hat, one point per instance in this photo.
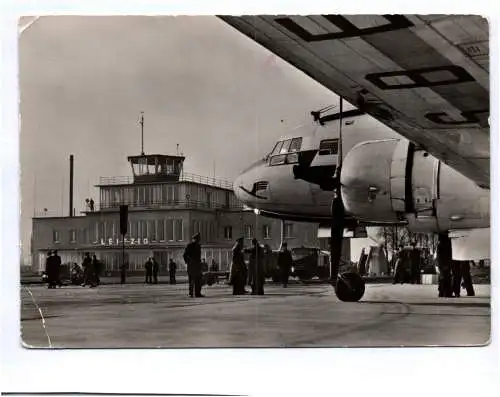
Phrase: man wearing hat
[238,275]
[192,257]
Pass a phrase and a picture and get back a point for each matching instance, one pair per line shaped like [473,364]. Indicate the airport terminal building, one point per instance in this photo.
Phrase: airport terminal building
[166,206]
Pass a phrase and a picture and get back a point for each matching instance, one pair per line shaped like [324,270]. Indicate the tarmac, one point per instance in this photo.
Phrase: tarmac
[150,316]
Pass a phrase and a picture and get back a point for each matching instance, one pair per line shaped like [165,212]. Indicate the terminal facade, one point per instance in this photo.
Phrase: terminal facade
[166,206]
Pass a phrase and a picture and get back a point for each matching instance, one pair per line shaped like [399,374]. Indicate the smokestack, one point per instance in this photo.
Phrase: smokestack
[71,212]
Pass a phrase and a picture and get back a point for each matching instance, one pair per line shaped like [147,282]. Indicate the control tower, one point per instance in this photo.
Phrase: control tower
[148,168]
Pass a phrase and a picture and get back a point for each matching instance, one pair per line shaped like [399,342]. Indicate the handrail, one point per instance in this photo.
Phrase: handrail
[184,177]
[172,204]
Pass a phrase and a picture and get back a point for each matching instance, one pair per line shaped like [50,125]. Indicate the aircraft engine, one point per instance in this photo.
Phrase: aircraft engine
[390,181]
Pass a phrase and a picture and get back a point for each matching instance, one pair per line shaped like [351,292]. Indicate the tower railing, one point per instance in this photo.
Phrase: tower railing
[184,177]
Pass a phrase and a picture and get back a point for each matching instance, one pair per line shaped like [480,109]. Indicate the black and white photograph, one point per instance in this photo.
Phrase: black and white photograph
[254,181]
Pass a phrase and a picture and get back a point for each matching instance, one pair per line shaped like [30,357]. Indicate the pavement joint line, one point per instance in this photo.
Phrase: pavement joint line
[41,316]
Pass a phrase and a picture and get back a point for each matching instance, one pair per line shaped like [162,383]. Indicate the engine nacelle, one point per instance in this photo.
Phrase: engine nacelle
[366,181]
[389,181]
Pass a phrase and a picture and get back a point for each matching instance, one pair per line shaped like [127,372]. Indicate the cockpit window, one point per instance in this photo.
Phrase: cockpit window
[286,146]
[277,148]
[278,160]
[296,144]
[285,152]
[328,147]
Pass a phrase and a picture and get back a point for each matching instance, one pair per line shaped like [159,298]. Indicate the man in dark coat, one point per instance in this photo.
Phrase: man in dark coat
[238,269]
[456,278]
[398,276]
[467,279]
[88,270]
[148,267]
[49,271]
[285,264]
[414,259]
[156,269]
[172,268]
[96,265]
[443,256]
[192,257]
[256,268]
[57,269]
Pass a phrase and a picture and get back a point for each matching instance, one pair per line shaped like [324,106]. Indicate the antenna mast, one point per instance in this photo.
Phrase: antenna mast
[141,122]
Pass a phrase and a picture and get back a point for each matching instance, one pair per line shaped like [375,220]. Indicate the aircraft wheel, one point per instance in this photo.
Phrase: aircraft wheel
[350,287]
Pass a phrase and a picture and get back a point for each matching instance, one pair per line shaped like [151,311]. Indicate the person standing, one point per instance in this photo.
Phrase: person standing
[192,257]
[285,264]
[49,270]
[172,268]
[87,270]
[256,268]
[398,276]
[148,267]
[443,256]
[467,278]
[57,269]
[414,264]
[456,277]
[96,265]
[238,269]
[156,268]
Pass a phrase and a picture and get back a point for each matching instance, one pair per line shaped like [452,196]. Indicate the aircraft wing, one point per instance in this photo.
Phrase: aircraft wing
[426,76]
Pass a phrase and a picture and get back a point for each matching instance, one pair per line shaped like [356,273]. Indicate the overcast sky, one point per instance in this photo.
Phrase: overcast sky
[201,84]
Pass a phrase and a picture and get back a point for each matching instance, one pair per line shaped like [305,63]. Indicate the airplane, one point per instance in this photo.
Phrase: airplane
[426,77]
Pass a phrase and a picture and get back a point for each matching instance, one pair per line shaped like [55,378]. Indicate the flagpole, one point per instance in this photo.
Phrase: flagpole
[34,196]
[142,133]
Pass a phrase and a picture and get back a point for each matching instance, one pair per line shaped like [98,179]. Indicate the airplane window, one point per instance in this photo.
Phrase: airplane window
[292,158]
[285,147]
[277,148]
[277,160]
[296,144]
[328,147]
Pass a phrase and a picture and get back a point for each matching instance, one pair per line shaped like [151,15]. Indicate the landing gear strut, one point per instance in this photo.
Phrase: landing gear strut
[349,287]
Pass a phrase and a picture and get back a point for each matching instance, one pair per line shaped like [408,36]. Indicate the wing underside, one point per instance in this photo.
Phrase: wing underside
[426,76]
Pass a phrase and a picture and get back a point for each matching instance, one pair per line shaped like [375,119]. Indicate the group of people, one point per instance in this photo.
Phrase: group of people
[152,269]
[88,276]
[240,275]
[255,274]
[453,275]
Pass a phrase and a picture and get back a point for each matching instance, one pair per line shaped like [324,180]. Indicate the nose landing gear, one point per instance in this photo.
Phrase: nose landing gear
[350,287]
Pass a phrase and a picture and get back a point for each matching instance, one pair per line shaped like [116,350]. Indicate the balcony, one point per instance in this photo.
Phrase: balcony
[173,204]
[184,177]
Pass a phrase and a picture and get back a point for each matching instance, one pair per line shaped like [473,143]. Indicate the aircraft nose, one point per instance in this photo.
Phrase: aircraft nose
[245,181]
[236,186]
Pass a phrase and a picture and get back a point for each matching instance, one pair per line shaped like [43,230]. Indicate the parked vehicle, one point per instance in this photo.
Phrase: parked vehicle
[309,262]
